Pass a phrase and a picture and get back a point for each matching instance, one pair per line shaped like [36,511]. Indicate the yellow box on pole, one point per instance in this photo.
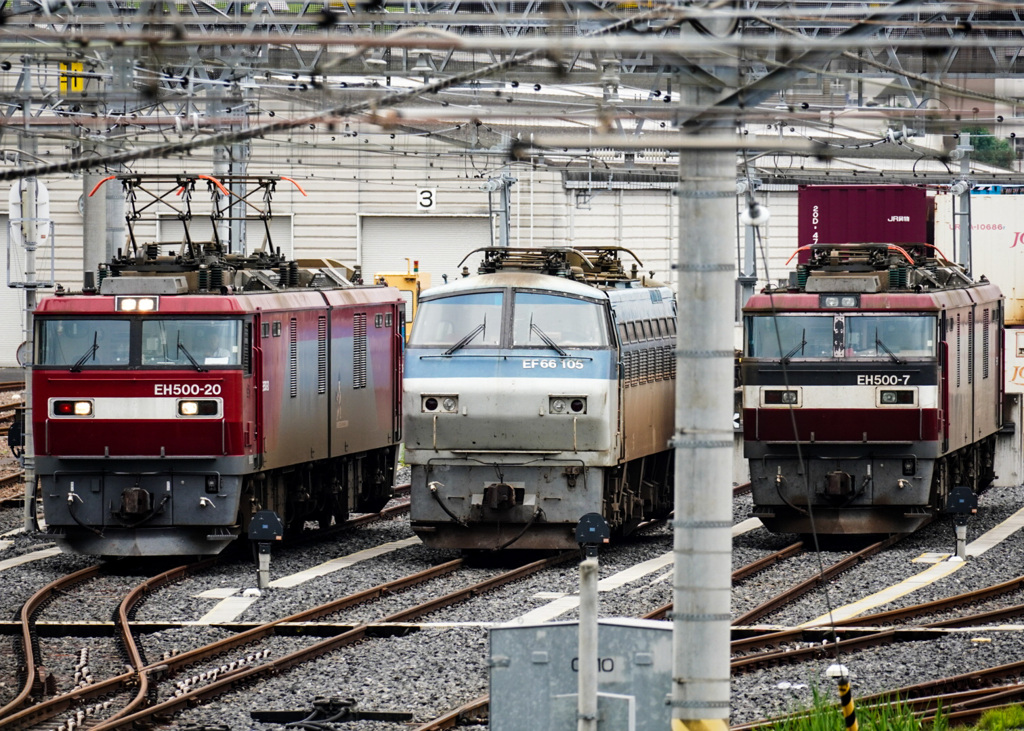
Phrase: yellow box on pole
[72,80]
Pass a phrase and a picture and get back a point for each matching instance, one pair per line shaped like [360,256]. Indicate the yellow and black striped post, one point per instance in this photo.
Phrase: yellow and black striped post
[842,676]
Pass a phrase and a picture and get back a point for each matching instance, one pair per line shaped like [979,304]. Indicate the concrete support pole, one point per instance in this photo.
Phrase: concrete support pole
[588,655]
[94,222]
[115,223]
[704,442]
[963,205]
[29,237]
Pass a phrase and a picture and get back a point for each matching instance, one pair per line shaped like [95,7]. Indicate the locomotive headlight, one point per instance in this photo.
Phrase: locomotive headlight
[201,407]
[447,404]
[834,301]
[909,466]
[72,408]
[892,398]
[136,304]
[567,405]
[781,398]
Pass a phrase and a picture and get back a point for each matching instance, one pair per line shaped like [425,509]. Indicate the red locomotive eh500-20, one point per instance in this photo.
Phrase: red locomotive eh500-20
[188,392]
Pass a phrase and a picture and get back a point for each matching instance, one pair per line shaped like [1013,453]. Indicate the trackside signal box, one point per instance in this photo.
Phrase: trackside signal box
[535,676]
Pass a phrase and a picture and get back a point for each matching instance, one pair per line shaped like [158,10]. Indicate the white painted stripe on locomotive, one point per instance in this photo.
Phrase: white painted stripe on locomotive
[842,397]
[28,558]
[135,409]
[990,539]
[610,583]
[504,394]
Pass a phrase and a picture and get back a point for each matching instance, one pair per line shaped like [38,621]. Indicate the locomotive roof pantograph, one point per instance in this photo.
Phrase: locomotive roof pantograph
[208,266]
[599,266]
[867,268]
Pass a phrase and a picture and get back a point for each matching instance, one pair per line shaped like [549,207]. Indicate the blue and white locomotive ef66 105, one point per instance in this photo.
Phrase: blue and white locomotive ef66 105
[536,392]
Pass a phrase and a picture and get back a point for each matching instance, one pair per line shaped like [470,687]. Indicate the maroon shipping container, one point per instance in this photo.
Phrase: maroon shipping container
[844,214]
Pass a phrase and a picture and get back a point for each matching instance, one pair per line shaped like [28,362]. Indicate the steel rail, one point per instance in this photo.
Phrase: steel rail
[246,676]
[818,579]
[28,611]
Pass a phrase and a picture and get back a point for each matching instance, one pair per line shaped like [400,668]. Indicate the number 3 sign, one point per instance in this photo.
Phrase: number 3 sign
[426,198]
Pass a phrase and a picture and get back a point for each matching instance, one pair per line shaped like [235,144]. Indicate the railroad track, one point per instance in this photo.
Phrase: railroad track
[130,694]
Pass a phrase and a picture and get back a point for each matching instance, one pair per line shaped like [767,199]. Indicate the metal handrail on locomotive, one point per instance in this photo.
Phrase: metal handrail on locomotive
[186,391]
[872,386]
[538,391]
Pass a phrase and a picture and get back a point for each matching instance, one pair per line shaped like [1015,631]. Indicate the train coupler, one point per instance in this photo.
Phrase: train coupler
[838,484]
[500,496]
[135,502]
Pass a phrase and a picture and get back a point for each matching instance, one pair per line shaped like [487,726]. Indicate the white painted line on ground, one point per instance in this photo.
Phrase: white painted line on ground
[230,607]
[571,601]
[997,535]
[746,526]
[940,570]
[28,558]
[930,575]
[341,562]
[227,610]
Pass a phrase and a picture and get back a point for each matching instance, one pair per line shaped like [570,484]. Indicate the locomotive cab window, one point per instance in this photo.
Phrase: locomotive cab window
[466,320]
[564,321]
[790,336]
[890,336]
[83,343]
[185,343]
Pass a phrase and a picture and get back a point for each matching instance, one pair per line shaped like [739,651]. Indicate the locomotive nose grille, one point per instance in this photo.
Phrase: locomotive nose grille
[136,501]
[838,484]
[500,496]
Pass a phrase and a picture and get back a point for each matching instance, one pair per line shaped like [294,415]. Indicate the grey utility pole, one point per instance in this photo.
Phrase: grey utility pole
[961,192]
[703,440]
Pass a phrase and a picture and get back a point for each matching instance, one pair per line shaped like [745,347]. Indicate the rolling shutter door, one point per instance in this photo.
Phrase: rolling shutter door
[439,243]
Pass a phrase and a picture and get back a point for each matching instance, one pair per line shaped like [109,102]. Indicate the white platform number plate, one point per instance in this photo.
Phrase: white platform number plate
[426,199]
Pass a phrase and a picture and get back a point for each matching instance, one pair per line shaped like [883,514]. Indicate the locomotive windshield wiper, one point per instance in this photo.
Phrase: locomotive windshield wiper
[547,340]
[188,355]
[89,353]
[467,338]
[798,346]
[880,344]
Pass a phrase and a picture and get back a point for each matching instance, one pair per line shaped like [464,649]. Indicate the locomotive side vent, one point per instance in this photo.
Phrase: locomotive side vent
[359,351]
[321,354]
[293,357]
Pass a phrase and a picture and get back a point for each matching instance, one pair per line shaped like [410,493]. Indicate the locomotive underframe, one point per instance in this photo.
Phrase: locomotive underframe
[138,507]
[853,489]
[489,504]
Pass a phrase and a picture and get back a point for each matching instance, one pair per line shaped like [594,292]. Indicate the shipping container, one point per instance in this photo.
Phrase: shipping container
[843,214]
